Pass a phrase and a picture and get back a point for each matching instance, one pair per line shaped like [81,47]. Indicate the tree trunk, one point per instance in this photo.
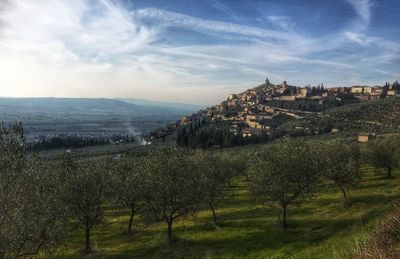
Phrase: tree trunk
[213,214]
[284,223]
[343,191]
[131,220]
[170,233]
[389,172]
[88,248]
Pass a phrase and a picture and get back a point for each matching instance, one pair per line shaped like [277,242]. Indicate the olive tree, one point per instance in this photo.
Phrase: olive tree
[384,153]
[284,172]
[31,218]
[215,173]
[128,189]
[341,164]
[173,188]
[83,189]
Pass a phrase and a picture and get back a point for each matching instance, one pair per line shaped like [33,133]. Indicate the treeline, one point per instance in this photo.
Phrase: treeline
[76,142]
[206,136]
[41,203]
[196,136]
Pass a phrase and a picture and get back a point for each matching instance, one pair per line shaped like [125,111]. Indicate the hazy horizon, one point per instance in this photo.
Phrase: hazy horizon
[192,51]
[110,98]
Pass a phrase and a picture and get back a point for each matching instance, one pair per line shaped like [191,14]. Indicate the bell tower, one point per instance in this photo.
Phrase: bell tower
[267,83]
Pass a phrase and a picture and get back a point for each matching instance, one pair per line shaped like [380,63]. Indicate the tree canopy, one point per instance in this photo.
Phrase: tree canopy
[172,185]
[284,172]
[340,163]
[31,217]
[384,153]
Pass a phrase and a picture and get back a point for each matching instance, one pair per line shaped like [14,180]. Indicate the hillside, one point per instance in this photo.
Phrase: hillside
[379,116]
[323,227]
[385,111]
[271,111]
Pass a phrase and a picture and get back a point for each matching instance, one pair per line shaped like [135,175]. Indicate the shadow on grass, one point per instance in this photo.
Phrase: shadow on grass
[263,236]
[372,200]
[374,184]
[248,229]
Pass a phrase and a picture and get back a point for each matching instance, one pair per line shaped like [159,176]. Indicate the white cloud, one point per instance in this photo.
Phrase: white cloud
[74,48]
[366,40]
[363,9]
[167,18]
[385,51]
[357,38]
[283,22]
[225,9]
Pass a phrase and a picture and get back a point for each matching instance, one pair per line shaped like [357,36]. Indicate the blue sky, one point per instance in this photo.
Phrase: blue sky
[193,51]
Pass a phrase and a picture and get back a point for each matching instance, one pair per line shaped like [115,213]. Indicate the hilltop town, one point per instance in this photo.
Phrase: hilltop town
[252,112]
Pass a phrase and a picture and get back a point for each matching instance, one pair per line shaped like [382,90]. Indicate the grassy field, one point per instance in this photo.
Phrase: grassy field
[323,227]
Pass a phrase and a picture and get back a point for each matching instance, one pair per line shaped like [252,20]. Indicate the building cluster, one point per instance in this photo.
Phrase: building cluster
[249,113]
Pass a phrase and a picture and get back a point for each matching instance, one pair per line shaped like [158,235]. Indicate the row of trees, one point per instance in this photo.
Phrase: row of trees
[77,142]
[165,185]
[66,142]
[40,202]
[170,184]
[208,137]
[282,173]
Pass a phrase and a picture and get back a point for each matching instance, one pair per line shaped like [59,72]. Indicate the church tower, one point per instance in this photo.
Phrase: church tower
[267,83]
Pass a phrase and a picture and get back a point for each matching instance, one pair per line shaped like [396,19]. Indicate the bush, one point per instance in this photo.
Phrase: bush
[385,240]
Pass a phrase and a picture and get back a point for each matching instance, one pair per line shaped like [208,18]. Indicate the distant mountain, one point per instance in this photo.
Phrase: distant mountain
[85,116]
[182,106]
[18,108]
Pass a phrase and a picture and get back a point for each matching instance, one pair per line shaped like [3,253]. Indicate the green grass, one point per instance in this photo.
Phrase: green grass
[323,227]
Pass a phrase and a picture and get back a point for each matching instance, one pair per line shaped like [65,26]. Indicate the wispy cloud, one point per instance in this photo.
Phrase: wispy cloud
[283,22]
[363,9]
[386,51]
[225,9]
[102,48]
[166,18]
[366,40]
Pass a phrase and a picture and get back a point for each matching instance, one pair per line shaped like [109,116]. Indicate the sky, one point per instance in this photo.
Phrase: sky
[193,51]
